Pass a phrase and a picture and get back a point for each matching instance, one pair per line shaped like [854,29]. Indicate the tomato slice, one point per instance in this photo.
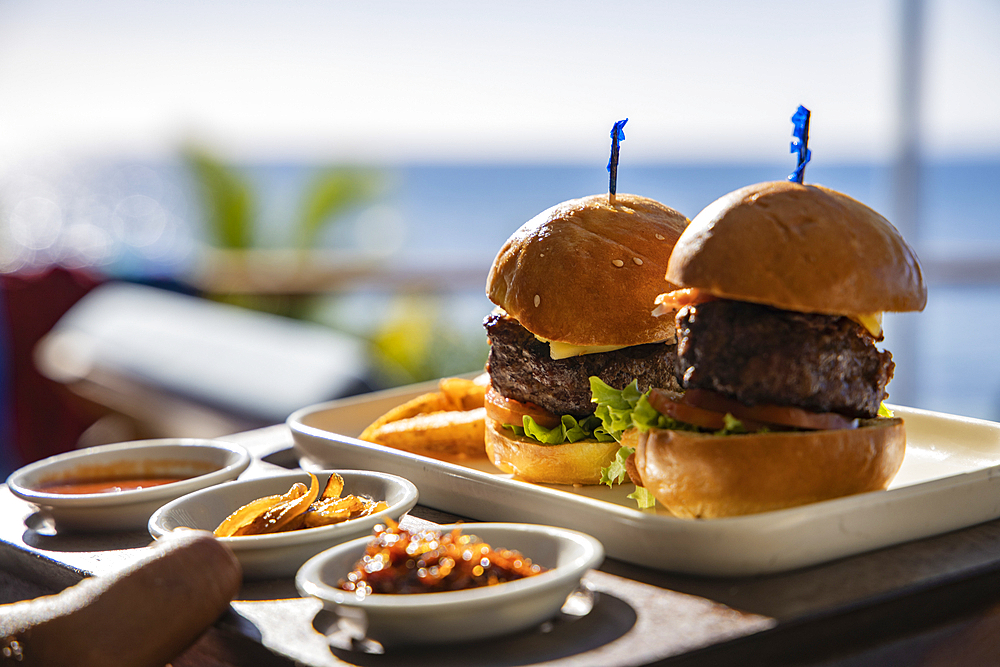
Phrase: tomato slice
[688,296]
[681,410]
[689,414]
[784,415]
[508,411]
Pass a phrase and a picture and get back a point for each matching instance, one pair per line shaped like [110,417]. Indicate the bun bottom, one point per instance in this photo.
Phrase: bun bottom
[696,475]
[528,460]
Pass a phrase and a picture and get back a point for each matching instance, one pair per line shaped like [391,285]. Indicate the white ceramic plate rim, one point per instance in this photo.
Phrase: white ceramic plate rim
[292,537]
[240,461]
[591,555]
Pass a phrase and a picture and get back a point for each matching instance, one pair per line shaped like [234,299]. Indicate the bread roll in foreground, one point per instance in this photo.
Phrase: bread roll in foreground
[142,616]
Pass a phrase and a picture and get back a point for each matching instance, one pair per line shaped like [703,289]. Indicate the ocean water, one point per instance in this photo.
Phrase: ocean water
[948,356]
[475,206]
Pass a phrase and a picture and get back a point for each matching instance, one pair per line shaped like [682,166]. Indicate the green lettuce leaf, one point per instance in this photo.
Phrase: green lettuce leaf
[643,497]
[570,429]
[628,408]
[616,473]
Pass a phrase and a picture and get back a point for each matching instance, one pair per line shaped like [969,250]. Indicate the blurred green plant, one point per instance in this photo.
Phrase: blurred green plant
[230,208]
[229,200]
[410,344]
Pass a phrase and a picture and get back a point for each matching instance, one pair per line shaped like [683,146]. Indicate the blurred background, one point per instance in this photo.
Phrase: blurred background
[212,214]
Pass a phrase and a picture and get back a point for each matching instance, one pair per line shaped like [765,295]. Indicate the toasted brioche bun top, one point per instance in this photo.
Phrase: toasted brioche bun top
[799,247]
[586,272]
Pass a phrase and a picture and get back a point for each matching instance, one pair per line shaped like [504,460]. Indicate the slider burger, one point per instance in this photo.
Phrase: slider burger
[783,290]
[574,288]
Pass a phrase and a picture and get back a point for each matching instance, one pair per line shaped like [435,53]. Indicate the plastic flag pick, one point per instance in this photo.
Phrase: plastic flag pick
[800,143]
[617,136]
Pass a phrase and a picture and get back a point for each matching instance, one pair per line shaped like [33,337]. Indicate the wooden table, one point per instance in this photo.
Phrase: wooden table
[931,602]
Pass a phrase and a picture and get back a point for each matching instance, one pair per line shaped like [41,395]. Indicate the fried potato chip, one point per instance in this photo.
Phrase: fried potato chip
[244,515]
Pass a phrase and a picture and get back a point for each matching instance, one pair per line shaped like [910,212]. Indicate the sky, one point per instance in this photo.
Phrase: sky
[466,81]
[517,81]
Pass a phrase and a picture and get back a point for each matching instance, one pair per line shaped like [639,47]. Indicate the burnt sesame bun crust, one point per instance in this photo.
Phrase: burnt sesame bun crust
[798,247]
[586,271]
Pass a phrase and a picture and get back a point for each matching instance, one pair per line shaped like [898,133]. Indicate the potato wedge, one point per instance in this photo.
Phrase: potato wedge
[452,434]
[432,402]
[447,424]
[462,394]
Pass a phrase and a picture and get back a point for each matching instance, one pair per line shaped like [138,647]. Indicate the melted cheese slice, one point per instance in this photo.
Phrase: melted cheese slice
[565,350]
[872,322]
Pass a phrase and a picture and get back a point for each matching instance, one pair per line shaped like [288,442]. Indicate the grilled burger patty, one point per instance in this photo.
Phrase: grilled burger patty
[521,368]
[762,355]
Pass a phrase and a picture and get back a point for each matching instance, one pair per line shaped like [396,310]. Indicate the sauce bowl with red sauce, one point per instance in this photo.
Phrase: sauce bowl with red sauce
[118,487]
[461,615]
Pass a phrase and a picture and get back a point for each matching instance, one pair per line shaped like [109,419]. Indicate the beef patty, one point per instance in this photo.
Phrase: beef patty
[521,368]
[762,355]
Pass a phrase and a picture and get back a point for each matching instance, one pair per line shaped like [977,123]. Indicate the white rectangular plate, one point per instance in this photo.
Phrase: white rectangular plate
[950,479]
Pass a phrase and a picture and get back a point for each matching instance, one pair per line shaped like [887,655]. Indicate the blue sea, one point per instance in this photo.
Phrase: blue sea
[948,356]
[475,207]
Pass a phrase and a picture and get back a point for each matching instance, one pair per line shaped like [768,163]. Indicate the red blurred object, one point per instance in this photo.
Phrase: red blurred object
[46,418]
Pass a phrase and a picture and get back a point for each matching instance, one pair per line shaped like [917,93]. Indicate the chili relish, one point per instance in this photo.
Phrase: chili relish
[429,561]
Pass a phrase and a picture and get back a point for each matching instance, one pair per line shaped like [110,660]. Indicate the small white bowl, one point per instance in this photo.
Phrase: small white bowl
[203,462]
[455,616]
[281,554]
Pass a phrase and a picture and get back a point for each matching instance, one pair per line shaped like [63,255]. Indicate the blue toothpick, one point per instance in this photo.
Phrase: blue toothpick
[800,143]
[617,136]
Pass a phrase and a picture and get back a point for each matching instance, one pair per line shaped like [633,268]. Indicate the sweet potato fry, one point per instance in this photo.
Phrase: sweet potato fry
[271,514]
[300,507]
[334,487]
[244,515]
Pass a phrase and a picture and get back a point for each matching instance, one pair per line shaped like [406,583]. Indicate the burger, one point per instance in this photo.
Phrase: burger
[574,288]
[782,287]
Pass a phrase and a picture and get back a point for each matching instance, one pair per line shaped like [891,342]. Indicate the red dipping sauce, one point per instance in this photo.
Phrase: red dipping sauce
[71,486]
